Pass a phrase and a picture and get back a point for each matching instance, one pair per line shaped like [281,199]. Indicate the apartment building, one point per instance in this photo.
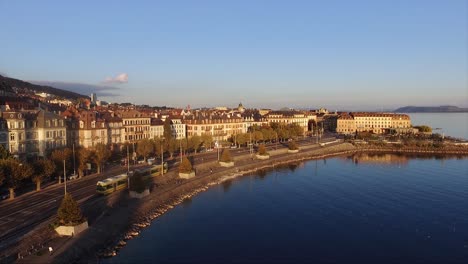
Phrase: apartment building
[136,125]
[32,133]
[92,129]
[348,123]
[115,128]
[220,127]
[156,128]
[178,129]
[291,117]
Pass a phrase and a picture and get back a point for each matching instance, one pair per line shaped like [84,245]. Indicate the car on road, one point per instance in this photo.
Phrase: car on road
[73,177]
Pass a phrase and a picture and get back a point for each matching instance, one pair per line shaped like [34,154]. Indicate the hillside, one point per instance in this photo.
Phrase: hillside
[431,109]
[40,88]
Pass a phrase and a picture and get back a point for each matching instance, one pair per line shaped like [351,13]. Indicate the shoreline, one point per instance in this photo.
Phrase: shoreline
[103,242]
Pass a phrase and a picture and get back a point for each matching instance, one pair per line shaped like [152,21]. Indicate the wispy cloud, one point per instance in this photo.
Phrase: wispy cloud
[121,78]
[82,88]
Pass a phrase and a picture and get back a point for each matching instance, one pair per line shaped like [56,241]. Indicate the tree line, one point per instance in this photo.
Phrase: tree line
[268,133]
[15,173]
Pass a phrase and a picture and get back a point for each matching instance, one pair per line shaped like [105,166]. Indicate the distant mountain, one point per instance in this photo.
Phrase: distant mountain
[40,88]
[431,109]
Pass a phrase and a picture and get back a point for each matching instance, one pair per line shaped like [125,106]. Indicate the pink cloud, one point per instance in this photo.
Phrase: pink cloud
[121,78]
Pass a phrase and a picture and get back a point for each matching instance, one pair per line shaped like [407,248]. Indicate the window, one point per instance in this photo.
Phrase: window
[12,137]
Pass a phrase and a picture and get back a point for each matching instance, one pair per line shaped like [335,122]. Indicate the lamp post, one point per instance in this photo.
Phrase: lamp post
[180,147]
[128,168]
[74,166]
[162,157]
[217,148]
[134,154]
[64,177]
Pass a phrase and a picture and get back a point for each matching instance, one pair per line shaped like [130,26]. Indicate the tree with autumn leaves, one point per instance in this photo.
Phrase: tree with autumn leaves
[12,174]
[43,169]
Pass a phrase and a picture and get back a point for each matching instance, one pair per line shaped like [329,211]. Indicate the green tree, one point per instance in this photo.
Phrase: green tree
[182,145]
[43,168]
[207,140]
[295,130]
[4,153]
[168,129]
[84,157]
[171,146]
[185,166]
[293,145]
[424,129]
[69,213]
[144,148]
[13,173]
[242,138]
[58,156]
[101,154]
[282,133]
[262,150]
[226,156]
[137,183]
[257,136]
[194,143]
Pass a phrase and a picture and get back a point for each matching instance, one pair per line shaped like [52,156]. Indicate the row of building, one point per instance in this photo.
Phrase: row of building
[38,130]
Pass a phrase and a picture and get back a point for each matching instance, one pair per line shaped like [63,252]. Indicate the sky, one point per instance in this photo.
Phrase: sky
[356,55]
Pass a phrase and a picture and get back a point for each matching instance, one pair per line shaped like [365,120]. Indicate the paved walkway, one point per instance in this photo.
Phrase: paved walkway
[43,256]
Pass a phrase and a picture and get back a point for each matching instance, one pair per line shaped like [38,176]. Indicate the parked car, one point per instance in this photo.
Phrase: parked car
[73,177]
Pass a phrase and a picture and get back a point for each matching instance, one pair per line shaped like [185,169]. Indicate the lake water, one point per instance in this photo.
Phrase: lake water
[372,209]
[451,124]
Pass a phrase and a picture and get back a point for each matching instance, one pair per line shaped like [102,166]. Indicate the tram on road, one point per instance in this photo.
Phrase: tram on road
[154,170]
[112,184]
[120,182]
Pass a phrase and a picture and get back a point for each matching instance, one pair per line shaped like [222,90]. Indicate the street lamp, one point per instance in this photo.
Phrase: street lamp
[162,157]
[217,148]
[74,166]
[65,176]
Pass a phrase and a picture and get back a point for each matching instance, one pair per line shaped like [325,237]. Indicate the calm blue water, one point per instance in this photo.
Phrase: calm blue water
[378,209]
[451,124]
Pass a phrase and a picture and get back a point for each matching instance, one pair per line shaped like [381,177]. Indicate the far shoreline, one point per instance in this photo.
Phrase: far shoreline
[100,241]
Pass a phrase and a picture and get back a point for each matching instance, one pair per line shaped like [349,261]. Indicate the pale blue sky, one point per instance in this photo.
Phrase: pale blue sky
[336,54]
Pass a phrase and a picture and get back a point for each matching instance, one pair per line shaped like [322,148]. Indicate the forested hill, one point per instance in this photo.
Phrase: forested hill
[431,109]
[40,88]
